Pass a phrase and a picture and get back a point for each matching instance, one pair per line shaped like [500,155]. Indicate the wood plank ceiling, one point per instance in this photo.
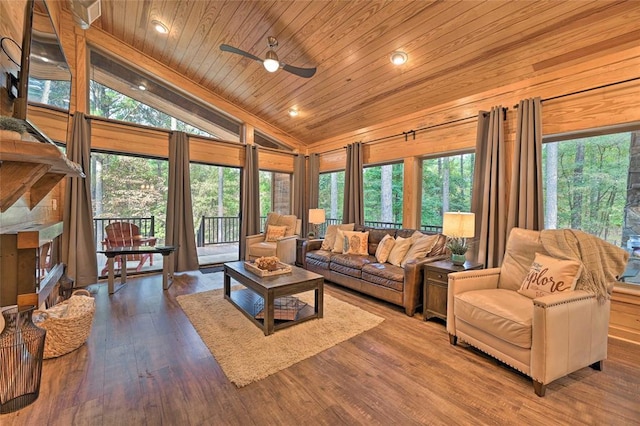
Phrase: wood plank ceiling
[455,48]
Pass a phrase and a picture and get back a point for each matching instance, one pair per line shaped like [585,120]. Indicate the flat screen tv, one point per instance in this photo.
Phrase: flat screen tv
[44,76]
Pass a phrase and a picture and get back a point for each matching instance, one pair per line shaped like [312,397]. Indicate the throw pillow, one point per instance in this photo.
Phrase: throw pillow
[549,275]
[420,248]
[399,250]
[356,242]
[384,248]
[274,233]
[330,235]
[338,245]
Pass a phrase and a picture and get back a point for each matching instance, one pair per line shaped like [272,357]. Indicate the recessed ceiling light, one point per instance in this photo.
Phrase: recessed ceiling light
[399,58]
[142,87]
[159,26]
[293,112]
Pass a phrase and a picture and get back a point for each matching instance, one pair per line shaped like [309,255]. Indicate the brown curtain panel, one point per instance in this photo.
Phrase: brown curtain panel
[525,194]
[313,184]
[180,231]
[250,208]
[488,199]
[300,208]
[353,211]
[78,244]
[314,180]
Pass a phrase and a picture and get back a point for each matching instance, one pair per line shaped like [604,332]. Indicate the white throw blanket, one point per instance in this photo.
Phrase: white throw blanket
[603,262]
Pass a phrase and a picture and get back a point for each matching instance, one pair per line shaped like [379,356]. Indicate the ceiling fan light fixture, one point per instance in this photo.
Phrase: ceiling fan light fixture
[160,27]
[293,112]
[399,57]
[271,62]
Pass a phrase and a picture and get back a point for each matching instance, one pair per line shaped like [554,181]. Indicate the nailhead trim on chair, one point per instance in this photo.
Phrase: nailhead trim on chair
[587,297]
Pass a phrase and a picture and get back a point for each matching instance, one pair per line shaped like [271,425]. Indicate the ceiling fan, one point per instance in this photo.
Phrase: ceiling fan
[271,62]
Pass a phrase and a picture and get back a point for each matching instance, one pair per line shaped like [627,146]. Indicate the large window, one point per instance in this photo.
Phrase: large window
[593,184]
[585,185]
[331,196]
[129,189]
[216,206]
[446,186]
[109,103]
[275,192]
[383,190]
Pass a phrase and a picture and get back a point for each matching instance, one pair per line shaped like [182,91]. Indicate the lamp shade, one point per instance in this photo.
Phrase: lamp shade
[316,216]
[459,225]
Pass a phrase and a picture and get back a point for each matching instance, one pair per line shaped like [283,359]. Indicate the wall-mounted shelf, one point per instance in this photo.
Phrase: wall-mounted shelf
[35,167]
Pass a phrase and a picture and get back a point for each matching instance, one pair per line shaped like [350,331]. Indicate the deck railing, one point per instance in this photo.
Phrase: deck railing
[146,225]
[218,230]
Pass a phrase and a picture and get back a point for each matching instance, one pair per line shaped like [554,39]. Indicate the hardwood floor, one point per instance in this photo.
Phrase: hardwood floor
[145,364]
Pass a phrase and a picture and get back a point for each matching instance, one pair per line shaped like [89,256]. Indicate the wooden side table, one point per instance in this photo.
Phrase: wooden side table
[436,285]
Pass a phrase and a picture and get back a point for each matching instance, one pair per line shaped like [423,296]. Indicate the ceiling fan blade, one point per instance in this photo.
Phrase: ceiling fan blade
[227,48]
[300,72]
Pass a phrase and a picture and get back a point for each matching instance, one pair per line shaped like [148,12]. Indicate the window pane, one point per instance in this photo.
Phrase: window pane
[216,206]
[383,190]
[593,184]
[275,193]
[108,103]
[330,197]
[129,189]
[585,185]
[446,186]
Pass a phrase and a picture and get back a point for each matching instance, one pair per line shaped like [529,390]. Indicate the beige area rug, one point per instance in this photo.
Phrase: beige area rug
[246,354]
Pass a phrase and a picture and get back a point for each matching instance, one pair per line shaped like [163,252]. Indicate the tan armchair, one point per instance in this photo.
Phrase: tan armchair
[545,337]
[284,247]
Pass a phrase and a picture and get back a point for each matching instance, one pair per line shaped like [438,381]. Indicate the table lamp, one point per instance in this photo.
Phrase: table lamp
[458,227]
[316,217]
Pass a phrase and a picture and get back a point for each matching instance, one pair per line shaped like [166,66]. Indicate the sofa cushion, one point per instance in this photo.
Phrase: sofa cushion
[264,248]
[331,232]
[549,275]
[274,232]
[522,246]
[319,258]
[384,274]
[440,247]
[338,245]
[375,237]
[384,248]
[399,250]
[355,242]
[352,260]
[420,248]
[502,313]
[320,255]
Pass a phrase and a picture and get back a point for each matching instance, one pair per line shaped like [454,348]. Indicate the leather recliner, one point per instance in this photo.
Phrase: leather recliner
[546,337]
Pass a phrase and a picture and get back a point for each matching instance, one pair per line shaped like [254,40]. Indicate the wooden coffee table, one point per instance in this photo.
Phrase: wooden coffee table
[268,289]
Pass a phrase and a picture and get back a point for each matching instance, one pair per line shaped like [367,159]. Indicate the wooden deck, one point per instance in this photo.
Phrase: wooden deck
[145,364]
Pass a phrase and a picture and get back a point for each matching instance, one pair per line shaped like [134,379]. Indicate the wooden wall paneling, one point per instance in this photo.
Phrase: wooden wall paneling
[53,123]
[11,24]
[108,43]
[412,193]
[18,269]
[625,314]
[216,153]
[129,139]
[599,108]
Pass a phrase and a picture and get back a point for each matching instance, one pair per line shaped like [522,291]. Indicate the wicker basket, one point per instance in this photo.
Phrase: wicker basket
[68,324]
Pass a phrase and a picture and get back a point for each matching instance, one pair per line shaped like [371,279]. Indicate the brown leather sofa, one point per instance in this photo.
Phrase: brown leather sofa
[398,285]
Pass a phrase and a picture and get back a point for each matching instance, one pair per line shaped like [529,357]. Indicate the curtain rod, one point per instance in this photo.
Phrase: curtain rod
[413,132]
[603,86]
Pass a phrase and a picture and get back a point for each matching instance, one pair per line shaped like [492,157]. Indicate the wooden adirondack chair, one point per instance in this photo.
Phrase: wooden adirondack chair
[126,234]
